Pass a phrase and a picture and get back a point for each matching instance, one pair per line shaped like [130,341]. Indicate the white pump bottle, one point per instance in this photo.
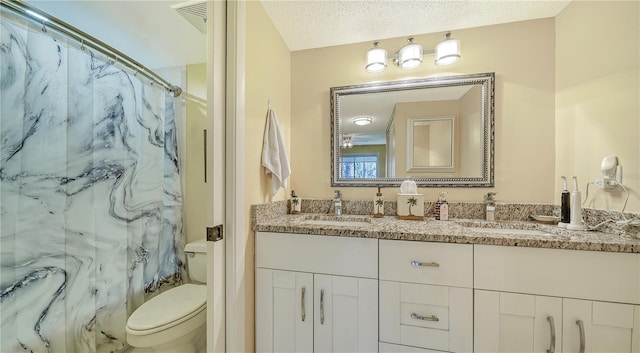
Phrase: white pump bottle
[576,208]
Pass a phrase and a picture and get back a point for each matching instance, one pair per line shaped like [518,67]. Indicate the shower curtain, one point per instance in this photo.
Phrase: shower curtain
[90,200]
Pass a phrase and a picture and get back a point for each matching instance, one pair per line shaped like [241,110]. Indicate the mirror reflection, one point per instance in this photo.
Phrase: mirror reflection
[431,144]
[438,131]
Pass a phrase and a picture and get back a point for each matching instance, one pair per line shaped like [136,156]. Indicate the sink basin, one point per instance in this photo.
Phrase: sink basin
[337,221]
[511,231]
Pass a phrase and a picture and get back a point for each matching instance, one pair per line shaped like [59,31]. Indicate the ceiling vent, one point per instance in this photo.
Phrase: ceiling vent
[195,12]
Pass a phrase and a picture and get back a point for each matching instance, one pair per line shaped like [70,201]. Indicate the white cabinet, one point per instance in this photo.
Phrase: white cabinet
[284,309]
[549,280]
[346,315]
[509,322]
[592,326]
[426,296]
[316,293]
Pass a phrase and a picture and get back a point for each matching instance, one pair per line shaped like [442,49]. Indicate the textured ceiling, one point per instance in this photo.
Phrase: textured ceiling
[306,24]
[149,31]
[157,36]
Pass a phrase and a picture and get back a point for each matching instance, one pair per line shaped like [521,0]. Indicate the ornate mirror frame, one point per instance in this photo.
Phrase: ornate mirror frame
[485,80]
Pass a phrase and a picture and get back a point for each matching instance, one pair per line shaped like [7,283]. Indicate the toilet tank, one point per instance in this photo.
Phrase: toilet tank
[196,253]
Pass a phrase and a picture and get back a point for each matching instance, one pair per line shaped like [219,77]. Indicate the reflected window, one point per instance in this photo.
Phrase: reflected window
[359,166]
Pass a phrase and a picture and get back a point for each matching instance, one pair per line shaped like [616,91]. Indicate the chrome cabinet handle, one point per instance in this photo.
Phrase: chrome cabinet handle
[322,307]
[424,318]
[552,327]
[424,264]
[304,314]
[582,338]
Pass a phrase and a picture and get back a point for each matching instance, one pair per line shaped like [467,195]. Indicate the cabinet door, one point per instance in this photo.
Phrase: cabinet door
[284,311]
[345,314]
[600,327]
[507,322]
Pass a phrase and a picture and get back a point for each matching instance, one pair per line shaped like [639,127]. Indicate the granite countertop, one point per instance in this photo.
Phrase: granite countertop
[463,231]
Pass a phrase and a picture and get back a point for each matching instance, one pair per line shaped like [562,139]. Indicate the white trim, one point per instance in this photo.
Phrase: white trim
[235,176]
[216,97]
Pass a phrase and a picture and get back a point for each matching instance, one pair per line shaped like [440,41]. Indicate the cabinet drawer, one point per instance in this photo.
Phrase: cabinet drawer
[594,275]
[345,256]
[426,316]
[429,263]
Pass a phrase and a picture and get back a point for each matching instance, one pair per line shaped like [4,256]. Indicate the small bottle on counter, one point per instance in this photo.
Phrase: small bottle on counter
[295,203]
[378,205]
[441,208]
[565,205]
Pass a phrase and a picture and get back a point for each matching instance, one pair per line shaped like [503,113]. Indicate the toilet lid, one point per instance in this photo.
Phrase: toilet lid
[168,307]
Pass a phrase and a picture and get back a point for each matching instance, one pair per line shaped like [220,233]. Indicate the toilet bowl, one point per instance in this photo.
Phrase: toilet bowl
[173,320]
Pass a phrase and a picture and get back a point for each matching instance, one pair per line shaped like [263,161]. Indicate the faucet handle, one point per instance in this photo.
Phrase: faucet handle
[490,196]
[337,194]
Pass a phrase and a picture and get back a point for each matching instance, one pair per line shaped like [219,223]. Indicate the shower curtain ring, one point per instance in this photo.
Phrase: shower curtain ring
[44,27]
[82,44]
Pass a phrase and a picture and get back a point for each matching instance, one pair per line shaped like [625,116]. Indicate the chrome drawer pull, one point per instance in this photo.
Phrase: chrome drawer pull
[582,338]
[322,307]
[424,264]
[424,318]
[552,326]
[304,314]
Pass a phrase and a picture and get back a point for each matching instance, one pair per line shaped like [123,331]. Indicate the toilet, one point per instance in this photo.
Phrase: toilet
[174,321]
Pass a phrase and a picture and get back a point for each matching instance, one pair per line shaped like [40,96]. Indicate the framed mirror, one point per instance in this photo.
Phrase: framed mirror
[437,131]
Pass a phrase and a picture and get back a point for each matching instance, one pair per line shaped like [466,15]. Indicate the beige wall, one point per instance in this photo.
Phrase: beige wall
[522,56]
[195,193]
[268,78]
[597,96]
[470,129]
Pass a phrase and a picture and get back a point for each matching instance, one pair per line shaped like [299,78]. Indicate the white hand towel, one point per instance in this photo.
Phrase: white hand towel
[274,154]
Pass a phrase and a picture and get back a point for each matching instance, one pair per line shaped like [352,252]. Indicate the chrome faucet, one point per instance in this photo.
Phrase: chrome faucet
[490,206]
[337,202]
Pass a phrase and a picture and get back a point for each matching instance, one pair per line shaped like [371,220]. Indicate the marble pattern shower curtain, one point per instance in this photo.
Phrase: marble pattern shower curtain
[90,202]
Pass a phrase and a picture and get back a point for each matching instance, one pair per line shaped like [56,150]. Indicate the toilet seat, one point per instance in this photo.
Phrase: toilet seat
[168,309]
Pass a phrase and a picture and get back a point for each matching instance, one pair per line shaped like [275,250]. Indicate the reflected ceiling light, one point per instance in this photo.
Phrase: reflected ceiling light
[448,51]
[362,120]
[376,59]
[410,56]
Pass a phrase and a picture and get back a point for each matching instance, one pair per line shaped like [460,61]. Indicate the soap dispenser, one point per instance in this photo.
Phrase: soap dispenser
[295,203]
[565,205]
[441,208]
[378,205]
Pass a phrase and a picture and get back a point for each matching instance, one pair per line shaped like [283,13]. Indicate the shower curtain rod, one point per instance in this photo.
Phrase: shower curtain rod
[114,55]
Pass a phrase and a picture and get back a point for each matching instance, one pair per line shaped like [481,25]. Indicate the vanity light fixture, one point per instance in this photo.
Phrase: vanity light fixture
[410,56]
[448,51]
[376,59]
[363,120]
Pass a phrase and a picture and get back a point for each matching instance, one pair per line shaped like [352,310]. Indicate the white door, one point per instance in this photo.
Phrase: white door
[591,326]
[508,322]
[215,157]
[284,311]
[346,314]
